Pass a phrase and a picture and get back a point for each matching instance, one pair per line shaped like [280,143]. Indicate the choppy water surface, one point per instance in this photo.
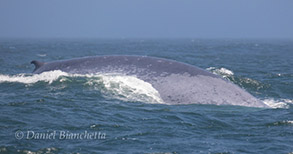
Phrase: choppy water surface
[57,112]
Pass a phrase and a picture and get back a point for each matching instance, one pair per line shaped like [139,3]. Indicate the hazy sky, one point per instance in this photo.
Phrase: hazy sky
[147,18]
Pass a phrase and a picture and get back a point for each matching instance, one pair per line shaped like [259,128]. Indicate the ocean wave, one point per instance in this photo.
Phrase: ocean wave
[281,123]
[44,150]
[33,78]
[224,72]
[244,82]
[278,103]
[117,86]
[126,88]
[41,55]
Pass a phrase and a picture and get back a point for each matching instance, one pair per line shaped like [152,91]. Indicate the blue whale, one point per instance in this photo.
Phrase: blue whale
[176,82]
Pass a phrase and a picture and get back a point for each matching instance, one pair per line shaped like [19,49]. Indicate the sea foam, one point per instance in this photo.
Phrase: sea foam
[117,86]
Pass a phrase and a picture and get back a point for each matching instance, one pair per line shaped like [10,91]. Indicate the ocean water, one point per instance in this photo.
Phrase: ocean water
[57,112]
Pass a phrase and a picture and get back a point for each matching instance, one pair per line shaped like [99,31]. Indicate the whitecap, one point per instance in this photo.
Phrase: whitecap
[117,86]
[33,78]
[279,103]
[224,72]
[42,55]
[126,88]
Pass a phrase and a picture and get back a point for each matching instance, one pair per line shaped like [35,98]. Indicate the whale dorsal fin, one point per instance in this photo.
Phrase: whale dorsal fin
[37,64]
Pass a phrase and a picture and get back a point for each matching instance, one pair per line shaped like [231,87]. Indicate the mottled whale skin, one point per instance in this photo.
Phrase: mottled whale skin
[176,82]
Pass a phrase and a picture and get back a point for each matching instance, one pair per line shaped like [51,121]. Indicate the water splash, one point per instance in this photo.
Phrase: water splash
[117,86]
[280,103]
[249,83]
[224,72]
[33,78]
[244,82]
[126,88]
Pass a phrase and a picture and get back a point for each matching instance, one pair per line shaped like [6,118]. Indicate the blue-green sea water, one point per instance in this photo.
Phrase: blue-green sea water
[57,112]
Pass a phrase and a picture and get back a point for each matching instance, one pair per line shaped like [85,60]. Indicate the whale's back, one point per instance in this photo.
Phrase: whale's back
[176,82]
